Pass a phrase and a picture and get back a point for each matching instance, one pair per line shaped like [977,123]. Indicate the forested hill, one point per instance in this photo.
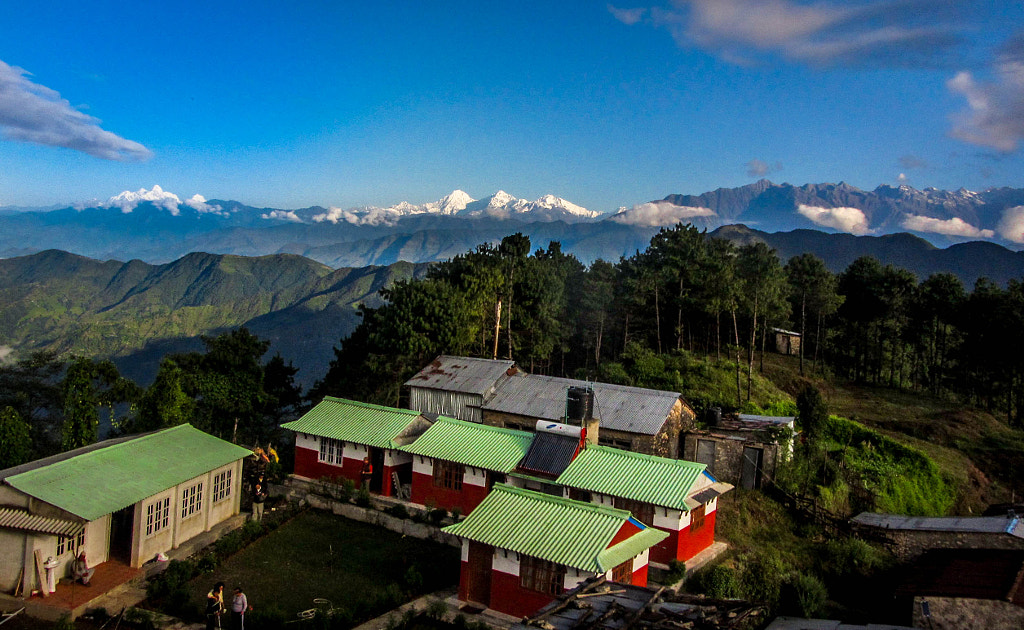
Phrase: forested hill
[135,312]
[967,261]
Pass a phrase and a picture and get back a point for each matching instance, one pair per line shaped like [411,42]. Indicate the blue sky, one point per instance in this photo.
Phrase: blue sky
[346,104]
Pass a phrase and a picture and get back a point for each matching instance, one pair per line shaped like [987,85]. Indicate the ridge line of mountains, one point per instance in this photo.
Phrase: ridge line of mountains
[158,227]
[136,312]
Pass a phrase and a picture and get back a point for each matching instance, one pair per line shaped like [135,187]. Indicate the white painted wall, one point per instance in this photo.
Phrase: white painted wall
[474,476]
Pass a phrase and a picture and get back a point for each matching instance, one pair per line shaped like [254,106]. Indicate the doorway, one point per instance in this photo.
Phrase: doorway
[479,575]
[122,530]
[750,476]
[377,461]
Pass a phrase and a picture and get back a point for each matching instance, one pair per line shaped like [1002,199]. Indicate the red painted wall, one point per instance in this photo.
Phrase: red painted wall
[684,544]
[510,598]
[463,581]
[423,492]
[307,464]
[640,576]
[626,531]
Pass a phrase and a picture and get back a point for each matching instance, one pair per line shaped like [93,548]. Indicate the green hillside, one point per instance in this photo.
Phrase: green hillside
[135,312]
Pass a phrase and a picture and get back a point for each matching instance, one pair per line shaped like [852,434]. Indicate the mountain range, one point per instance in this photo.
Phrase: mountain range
[157,226]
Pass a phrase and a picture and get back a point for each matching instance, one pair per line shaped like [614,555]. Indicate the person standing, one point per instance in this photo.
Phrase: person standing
[259,496]
[366,474]
[239,606]
[214,606]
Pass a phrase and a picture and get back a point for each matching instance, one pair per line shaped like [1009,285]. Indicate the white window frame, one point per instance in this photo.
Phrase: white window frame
[330,451]
[70,544]
[192,501]
[158,516]
[222,486]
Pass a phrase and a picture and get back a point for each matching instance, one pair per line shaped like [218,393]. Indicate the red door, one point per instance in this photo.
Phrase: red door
[479,588]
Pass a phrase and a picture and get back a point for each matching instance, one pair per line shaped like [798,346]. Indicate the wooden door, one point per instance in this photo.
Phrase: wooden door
[750,477]
[479,574]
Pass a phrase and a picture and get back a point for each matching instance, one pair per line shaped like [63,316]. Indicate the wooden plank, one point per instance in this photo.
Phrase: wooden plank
[41,574]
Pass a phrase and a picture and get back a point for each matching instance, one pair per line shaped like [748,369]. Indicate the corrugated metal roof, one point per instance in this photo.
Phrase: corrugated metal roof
[472,444]
[646,478]
[622,408]
[567,532]
[17,518]
[974,524]
[462,374]
[104,480]
[549,454]
[353,421]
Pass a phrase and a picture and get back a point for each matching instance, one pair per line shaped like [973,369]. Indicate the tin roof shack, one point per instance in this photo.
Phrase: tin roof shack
[457,386]
[907,537]
[456,463]
[333,438]
[597,604]
[520,549]
[742,449]
[675,496]
[123,500]
[954,589]
[787,341]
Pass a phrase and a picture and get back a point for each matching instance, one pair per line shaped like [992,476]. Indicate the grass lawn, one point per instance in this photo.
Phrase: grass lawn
[364,569]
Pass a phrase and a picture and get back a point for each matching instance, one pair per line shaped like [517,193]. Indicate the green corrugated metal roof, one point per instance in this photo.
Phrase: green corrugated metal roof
[655,480]
[353,421]
[567,532]
[632,546]
[105,480]
[472,444]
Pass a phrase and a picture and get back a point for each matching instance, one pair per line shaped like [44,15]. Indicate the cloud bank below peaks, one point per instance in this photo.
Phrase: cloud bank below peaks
[659,214]
[35,114]
[851,220]
[949,227]
[128,201]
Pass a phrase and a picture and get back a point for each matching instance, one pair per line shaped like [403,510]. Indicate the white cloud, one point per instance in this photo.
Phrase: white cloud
[627,16]
[282,215]
[902,178]
[336,215]
[950,227]
[6,355]
[128,200]
[198,203]
[33,113]
[877,32]
[1011,226]
[760,168]
[655,214]
[995,109]
[850,220]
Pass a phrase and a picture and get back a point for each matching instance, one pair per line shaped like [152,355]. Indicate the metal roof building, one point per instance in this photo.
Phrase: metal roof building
[457,386]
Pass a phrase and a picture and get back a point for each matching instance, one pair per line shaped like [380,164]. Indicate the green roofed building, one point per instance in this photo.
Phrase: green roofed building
[340,438]
[125,499]
[676,496]
[521,548]
[455,463]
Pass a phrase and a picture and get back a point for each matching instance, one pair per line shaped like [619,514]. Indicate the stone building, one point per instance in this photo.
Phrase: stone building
[907,537]
[742,449]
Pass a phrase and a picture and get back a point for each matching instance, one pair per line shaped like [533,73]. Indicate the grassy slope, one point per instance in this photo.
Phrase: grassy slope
[980,454]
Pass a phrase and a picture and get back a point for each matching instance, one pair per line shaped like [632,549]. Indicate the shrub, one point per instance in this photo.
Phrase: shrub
[718,581]
[804,595]
[207,563]
[398,511]
[676,571]
[413,579]
[363,497]
[456,514]
[437,609]
[64,623]
[436,516]
[761,577]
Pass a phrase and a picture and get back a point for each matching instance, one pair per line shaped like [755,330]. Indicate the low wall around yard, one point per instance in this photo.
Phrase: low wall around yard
[300,489]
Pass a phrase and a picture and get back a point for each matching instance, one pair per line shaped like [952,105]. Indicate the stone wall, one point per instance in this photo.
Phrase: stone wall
[957,613]
[909,544]
[728,462]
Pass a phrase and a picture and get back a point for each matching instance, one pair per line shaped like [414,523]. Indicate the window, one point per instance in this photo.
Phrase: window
[330,451]
[69,544]
[623,574]
[158,515]
[448,474]
[222,486]
[606,440]
[541,575]
[192,500]
[697,520]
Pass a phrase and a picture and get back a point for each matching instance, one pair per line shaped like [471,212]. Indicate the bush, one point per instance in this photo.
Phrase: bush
[456,514]
[804,595]
[413,579]
[398,511]
[363,497]
[337,488]
[761,578]
[437,609]
[676,571]
[436,516]
[719,581]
